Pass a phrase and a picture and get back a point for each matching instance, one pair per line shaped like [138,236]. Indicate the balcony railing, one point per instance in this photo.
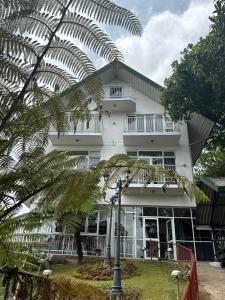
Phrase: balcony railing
[154,123]
[94,126]
[157,178]
[114,91]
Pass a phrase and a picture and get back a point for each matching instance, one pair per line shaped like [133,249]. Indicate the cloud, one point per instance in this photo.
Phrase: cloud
[165,35]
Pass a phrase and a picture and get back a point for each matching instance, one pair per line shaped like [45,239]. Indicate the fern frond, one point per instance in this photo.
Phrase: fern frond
[37,24]
[90,35]
[11,43]
[105,11]
[13,69]
[72,57]
[54,76]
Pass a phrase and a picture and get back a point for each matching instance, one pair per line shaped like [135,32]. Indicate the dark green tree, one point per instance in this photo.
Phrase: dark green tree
[210,164]
[197,83]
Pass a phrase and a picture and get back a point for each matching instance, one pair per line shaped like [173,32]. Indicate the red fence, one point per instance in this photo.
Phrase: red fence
[186,256]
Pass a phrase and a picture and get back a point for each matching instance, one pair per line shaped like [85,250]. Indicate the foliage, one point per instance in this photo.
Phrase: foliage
[211,164]
[197,82]
[129,293]
[99,272]
[29,286]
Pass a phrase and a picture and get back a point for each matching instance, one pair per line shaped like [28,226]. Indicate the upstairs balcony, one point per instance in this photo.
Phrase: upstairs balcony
[119,98]
[158,181]
[85,134]
[150,130]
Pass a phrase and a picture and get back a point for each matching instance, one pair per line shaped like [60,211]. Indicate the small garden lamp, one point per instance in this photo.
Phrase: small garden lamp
[177,274]
[47,273]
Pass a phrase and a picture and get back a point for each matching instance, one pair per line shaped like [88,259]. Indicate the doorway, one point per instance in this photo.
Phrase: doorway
[151,238]
[167,238]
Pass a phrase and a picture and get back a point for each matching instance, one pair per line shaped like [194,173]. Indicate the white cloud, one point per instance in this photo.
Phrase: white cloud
[165,36]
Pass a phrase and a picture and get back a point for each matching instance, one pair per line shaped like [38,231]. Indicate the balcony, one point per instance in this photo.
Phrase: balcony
[157,182]
[150,130]
[83,135]
[119,98]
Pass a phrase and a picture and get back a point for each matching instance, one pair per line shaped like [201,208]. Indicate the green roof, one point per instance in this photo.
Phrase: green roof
[215,183]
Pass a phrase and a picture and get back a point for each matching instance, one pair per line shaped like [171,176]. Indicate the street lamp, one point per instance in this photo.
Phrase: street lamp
[116,290]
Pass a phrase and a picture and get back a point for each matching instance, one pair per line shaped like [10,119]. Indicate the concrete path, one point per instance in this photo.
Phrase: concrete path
[211,282]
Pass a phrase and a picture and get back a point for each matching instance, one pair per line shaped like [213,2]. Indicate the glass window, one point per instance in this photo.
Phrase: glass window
[194,211]
[130,221]
[169,161]
[78,153]
[203,235]
[116,91]
[102,225]
[169,154]
[182,212]
[139,227]
[183,229]
[82,226]
[150,153]
[151,231]
[132,154]
[139,248]
[165,212]
[149,211]
[92,223]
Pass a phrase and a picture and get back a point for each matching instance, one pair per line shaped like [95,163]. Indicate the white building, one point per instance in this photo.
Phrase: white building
[139,127]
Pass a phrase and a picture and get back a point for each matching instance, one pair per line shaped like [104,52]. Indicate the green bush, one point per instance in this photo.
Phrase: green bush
[99,272]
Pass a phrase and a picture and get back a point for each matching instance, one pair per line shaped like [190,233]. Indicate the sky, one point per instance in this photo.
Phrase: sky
[169,26]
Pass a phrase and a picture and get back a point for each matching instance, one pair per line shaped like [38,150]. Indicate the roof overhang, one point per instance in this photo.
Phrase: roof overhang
[199,129]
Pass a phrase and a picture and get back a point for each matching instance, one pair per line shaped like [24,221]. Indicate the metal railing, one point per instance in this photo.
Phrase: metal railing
[117,91]
[59,243]
[150,124]
[157,177]
[185,255]
[93,126]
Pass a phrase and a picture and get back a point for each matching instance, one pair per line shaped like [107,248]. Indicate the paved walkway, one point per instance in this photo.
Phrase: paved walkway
[211,282]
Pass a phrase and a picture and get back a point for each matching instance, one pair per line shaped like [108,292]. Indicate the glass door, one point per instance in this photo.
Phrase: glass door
[151,238]
[170,236]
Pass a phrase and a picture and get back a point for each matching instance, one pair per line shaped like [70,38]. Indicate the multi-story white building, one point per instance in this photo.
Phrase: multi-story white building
[139,127]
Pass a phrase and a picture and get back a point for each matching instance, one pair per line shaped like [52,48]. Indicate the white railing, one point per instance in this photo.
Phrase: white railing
[59,243]
[158,178]
[117,91]
[150,123]
[93,126]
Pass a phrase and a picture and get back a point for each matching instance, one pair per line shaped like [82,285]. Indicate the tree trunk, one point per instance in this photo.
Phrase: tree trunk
[77,237]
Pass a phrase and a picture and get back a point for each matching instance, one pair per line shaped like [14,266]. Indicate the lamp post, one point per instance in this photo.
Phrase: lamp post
[112,201]
[116,290]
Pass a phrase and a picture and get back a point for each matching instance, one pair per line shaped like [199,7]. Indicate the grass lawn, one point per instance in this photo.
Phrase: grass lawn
[154,280]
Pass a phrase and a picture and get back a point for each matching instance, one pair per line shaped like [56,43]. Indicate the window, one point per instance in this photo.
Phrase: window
[149,211]
[166,158]
[183,229]
[91,157]
[116,91]
[92,223]
[182,212]
[165,212]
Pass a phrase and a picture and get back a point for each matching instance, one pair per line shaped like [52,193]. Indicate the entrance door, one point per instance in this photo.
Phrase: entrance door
[151,238]
[170,236]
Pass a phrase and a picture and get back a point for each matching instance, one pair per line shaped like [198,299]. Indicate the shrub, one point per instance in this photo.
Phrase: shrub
[129,293]
[99,272]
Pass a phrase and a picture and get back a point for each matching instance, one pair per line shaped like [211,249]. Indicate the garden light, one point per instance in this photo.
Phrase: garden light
[177,274]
